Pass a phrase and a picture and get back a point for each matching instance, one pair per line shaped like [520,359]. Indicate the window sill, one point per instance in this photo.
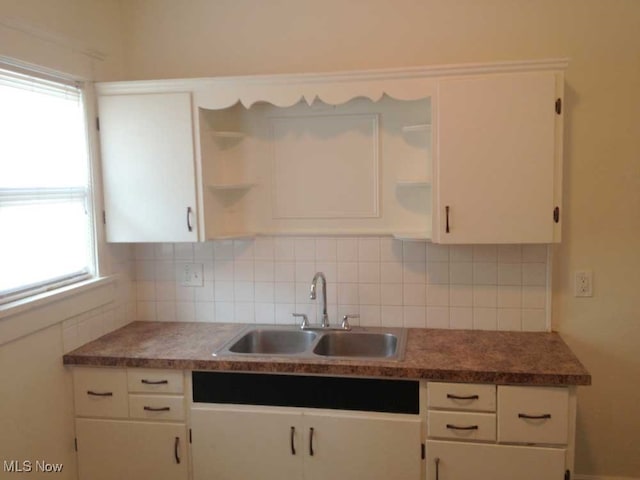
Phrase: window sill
[27,315]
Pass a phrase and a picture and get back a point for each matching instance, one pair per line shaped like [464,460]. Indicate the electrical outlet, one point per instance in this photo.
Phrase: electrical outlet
[191,275]
[583,283]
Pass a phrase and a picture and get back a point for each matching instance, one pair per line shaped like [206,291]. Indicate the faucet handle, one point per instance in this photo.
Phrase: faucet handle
[305,320]
[345,321]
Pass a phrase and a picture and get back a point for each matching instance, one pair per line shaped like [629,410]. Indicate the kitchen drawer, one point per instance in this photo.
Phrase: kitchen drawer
[461,396]
[461,425]
[100,392]
[157,407]
[533,415]
[149,380]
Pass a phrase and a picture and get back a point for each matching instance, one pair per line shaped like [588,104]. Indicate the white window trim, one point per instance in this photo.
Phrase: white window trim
[28,315]
[54,292]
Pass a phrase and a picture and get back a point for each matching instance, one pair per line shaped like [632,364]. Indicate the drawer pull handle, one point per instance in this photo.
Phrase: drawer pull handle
[99,394]
[154,382]
[462,397]
[176,446]
[534,417]
[447,228]
[437,460]
[189,225]
[311,441]
[456,427]
[293,445]
[156,409]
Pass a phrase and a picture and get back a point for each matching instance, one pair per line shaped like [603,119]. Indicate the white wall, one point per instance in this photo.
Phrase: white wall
[80,37]
[602,173]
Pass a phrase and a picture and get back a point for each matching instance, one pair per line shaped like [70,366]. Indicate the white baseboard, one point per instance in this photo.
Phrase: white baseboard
[600,477]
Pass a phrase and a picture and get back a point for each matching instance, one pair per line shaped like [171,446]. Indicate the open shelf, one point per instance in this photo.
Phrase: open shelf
[258,179]
[231,186]
[420,127]
[412,236]
[232,236]
[227,134]
[418,182]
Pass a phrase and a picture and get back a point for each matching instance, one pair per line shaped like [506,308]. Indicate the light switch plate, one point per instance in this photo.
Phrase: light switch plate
[191,275]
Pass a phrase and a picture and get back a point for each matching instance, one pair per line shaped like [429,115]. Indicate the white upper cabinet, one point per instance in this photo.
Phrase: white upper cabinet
[148,167]
[396,152]
[498,160]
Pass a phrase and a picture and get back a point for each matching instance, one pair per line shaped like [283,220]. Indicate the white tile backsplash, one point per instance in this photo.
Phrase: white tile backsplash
[369,249]
[263,248]
[121,261]
[388,282]
[461,318]
[347,249]
[438,317]
[326,249]
[438,295]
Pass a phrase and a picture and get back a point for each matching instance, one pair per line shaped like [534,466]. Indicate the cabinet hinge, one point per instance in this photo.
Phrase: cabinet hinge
[98,123]
[559,106]
[422,451]
[104,217]
[75,443]
[567,475]
[556,214]
[190,437]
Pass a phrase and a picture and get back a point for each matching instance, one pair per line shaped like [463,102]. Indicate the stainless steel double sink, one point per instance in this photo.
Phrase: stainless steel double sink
[356,344]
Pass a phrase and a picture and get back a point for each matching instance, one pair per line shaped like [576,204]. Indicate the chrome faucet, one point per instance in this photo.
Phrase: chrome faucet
[312,296]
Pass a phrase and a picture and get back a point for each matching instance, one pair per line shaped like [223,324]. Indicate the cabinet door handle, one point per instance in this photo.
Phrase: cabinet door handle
[437,460]
[176,453]
[446,209]
[456,427]
[293,445]
[99,394]
[534,417]
[156,409]
[311,441]
[154,382]
[189,225]
[462,397]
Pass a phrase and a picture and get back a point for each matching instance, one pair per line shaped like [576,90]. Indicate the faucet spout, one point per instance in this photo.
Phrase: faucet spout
[312,295]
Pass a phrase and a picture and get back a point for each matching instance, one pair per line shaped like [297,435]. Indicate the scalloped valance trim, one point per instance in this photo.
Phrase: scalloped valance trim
[335,88]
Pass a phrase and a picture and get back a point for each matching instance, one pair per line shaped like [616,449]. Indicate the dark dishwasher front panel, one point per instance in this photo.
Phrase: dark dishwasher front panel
[361,394]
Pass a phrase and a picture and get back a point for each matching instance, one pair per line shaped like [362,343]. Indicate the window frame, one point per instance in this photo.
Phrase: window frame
[91,194]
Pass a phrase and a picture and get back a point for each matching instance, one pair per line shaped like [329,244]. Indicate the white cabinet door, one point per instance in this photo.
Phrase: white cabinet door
[361,446]
[148,167]
[231,443]
[114,450]
[469,461]
[497,159]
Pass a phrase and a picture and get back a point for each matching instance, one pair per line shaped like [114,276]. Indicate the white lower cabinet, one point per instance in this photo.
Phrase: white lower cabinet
[114,450]
[474,461]
[489,432]
[137,424]
[352,446]
[130,424]
[228,443]
[234,443]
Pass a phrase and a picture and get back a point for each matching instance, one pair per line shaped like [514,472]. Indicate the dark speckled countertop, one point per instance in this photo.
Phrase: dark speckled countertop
[527,358]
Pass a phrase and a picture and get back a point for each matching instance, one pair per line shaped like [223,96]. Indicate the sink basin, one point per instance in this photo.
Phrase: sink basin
[273,342]
[361,343]
[352,344]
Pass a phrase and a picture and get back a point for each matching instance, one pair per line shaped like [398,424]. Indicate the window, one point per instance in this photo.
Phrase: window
[46,225]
